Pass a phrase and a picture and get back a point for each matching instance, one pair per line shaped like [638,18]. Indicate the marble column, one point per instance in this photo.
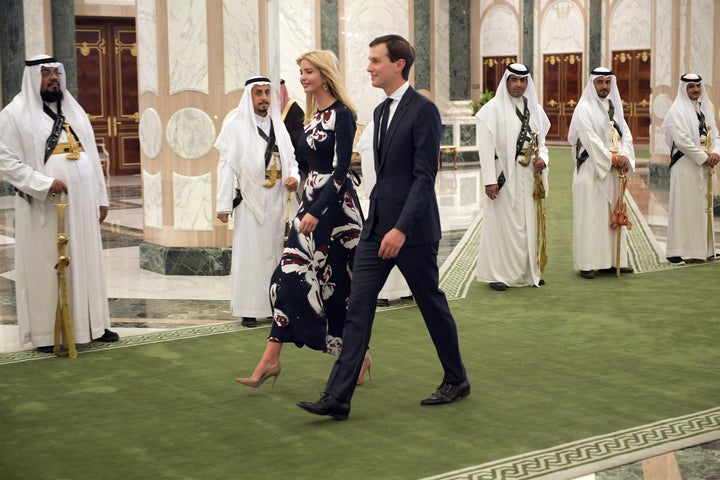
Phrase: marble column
[193,59]
[63,36]
[528,34]
[684,39]
[421,37]
[12,49]
[594,47]
[459,51]
[329,19]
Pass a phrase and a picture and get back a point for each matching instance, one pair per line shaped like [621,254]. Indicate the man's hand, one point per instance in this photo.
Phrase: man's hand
[391,244]
[622,163]
[291,184]
[58,186]
[492,190]
[103,213]
[307,224]
[712,160]
[223,217]
[539,165]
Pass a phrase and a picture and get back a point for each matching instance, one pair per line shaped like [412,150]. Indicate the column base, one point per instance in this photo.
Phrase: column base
[205,261]
[6,189]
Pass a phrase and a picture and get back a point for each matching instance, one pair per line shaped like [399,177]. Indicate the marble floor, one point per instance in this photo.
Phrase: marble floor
[142,301]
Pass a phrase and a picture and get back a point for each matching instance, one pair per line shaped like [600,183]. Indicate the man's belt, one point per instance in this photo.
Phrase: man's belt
[66,147]
[675,155]
[237,199]
[581,155]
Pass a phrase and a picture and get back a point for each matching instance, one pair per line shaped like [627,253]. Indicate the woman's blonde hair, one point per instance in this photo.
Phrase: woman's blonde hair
[329,66]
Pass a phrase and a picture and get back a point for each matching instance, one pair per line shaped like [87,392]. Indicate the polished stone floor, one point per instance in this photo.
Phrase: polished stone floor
[142,301]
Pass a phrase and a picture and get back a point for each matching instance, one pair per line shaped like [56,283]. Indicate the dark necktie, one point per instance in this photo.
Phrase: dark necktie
[384,121]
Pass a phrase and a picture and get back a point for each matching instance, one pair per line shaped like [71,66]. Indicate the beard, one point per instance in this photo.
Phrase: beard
[52,96]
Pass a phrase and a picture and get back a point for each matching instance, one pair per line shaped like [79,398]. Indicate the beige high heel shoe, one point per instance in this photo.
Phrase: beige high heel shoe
[272,371]
[366,365]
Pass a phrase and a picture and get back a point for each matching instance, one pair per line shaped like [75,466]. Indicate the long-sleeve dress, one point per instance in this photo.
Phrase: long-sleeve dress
[310,287]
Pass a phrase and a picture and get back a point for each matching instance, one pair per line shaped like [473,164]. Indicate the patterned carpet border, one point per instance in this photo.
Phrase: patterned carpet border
[456,276]
[131,341]
[599,453]
[457,272]
[645,253]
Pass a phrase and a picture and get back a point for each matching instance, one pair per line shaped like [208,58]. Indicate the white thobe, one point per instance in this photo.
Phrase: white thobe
[508,240]
[36,251]
[257,247]
[687,234]
[595,194]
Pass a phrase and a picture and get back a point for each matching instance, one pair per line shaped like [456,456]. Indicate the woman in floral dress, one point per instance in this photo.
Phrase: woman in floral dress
[310,288]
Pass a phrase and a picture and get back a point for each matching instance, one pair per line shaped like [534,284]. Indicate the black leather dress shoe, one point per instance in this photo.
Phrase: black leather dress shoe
[45,349]
[447,393]
[541,282]
[613,270]
[589,274]
[108,337]
[676,260]
[498,286]
[327,405]
[249,322]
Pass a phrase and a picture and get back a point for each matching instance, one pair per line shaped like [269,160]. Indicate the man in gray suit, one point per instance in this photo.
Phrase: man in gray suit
[402,228]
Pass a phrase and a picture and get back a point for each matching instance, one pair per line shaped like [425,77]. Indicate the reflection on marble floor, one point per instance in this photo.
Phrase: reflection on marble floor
[143,301]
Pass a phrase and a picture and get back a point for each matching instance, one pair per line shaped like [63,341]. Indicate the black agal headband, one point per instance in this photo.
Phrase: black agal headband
[40,61]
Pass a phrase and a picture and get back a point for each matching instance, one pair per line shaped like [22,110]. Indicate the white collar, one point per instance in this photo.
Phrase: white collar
[398,94]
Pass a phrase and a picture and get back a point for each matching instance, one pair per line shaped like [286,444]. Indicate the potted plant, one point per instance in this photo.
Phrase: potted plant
[484,98]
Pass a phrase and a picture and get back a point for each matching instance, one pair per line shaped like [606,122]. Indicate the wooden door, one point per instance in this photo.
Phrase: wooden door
[107,87]
[493,71]
[562,87]
[632,70]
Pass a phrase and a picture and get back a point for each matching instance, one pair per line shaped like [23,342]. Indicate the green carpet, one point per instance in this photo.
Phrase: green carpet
[551,366]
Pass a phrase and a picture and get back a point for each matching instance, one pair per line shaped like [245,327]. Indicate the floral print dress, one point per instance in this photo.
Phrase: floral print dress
[309,289]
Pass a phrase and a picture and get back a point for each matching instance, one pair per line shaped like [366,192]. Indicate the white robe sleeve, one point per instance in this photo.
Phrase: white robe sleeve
[290,166]
[600,157]
[486,152]
[225,187]
[685,144]
[14,168]
[626,148]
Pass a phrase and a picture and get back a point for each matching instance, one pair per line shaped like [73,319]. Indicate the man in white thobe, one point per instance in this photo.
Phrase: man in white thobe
[508,125]
[602,146]
[47,148]
[257,155]
[692,135]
